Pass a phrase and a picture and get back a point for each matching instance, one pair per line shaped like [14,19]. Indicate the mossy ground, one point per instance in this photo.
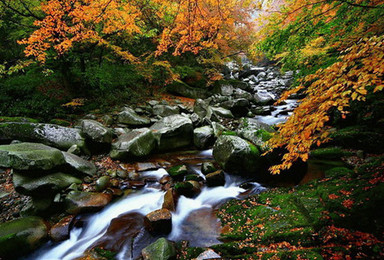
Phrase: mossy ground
[336,216]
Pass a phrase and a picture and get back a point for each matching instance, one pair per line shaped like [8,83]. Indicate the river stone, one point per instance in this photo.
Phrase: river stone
[208,254]
[43,185]
[80,164]
[21,236]
[215,113]
[178,172]
[185,188]
[159,221]
[102,183]
[137,143]
[83,202]
[170,200]
[163,110]
[218,129]
[49,134]
[30,156]
[173,132]
[207,167]
[214,179]
[200,108]
[129,117]
[60,231]
[96,131]
[203,137]
[237,156]
[162,249]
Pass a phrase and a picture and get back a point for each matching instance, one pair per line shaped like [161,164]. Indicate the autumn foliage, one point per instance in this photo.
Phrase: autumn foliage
[182,26]
[341,61]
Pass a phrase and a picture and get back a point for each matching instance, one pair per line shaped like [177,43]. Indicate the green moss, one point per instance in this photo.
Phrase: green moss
[329,153]
[233,133]
[178,172]
[18,119]
[264,135]
[60,122]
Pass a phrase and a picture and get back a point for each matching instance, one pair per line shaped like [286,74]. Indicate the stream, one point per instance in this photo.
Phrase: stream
[119,226]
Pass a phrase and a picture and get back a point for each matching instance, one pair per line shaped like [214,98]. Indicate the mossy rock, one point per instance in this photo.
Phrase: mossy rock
[18,119]
[21,236]
[162,249]
[329,153]
[178,172]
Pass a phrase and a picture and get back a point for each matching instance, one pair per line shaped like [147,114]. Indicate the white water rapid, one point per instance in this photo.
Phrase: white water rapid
[194,220]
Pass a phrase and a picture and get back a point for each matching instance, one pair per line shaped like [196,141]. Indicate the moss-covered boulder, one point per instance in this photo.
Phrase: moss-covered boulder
[178,172]
[173,132]
[49,134]
[21,236]
[96,131]
[162,249]
[237,156]
[79,164]
[129,117]
[40,186]
[137,143]
[203,137]
[30,156]
[329,153]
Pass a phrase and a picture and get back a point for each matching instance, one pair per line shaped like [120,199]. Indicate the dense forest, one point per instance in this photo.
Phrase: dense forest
[191,129]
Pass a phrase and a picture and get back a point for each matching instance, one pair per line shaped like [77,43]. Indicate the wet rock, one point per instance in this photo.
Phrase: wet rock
[185,189]
[200,108]
[159,221]
[30,156]
[255,71]
[82,202]
[39,186]
[122,231]
[165,179]
[173,132]
[96,131]
[218,129]
[215,179]
[207,168]
[21,236]
[170,200]
[214,113]
[81,165]
[178,172]
[163,110]
[140,167]
[203,137]
[193,177]
[60,231]
[162,249]
[49,134]
[137,143]
[129,117]
[102,183]
[237,156]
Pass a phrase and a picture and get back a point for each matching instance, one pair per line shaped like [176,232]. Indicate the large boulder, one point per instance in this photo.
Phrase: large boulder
[173,132]
[214,113]
[164,110]
[237,156]
[30,156]
[79,164]
[96,131]
[182,89]
[203,137]
[137,143]
[40,186]
[21,236]
[49,134]
[129,117]
[82,202]
[162,249]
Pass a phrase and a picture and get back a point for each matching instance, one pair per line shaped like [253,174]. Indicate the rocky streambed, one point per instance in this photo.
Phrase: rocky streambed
[67,174]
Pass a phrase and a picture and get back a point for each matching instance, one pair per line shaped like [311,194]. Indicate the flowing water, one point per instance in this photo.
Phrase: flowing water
[194,219]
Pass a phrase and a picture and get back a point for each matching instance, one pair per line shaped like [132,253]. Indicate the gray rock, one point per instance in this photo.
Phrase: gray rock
[162,249]
[218,129]
[96,131]
[74,149]
[42,185]
[107,120]
[49,134]
[21,236]
[173,132]
[80,164]
[203,137]
[153,102]
[208,254]
[236,155]
[207,168]
[137,143]
[219,112]
[30,156]
[164,110]
[200,108]
[131,118]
